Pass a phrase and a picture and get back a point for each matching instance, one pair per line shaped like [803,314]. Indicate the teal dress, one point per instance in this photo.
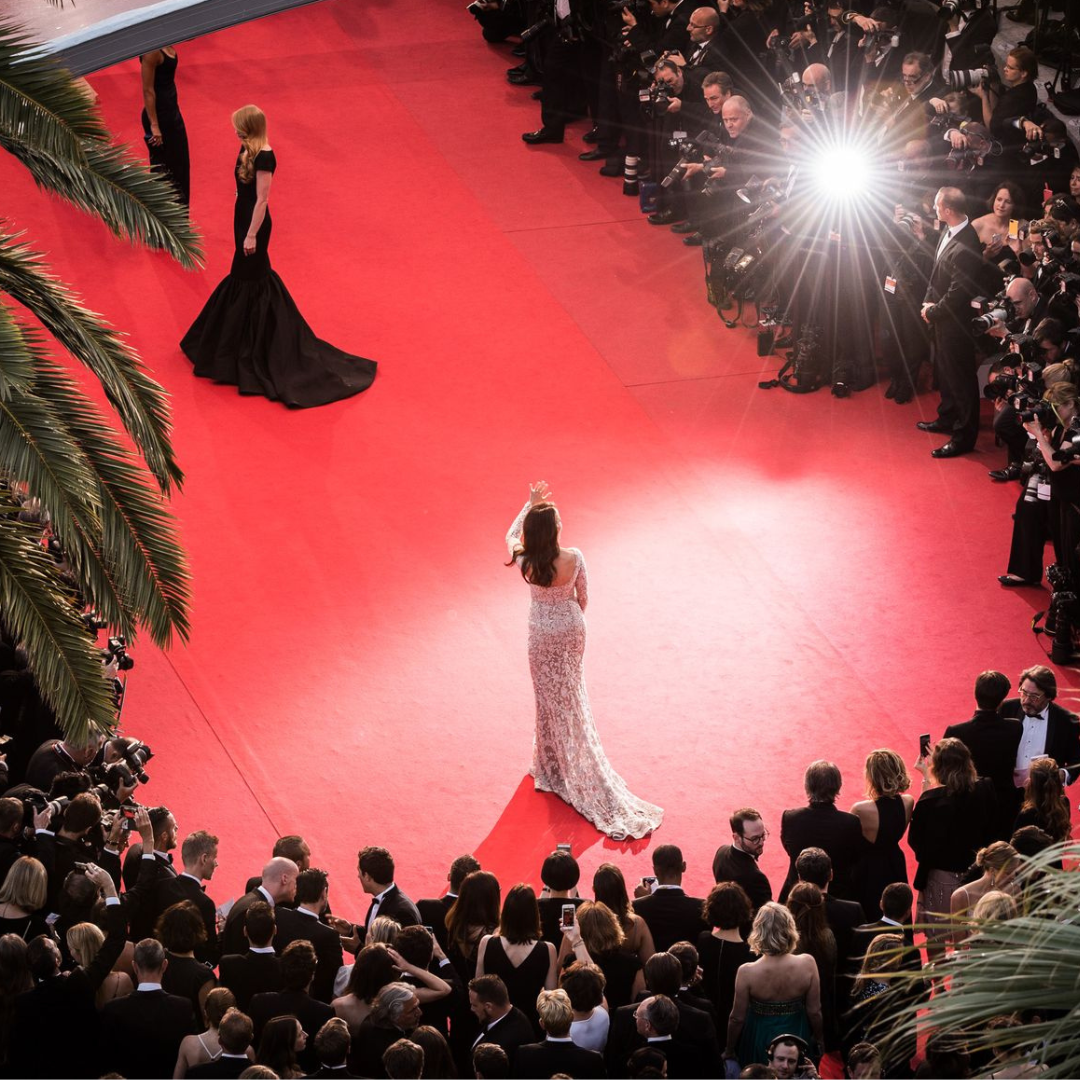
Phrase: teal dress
[764,1021]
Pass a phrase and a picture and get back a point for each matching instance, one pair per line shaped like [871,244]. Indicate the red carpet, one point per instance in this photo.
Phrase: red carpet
[773,578]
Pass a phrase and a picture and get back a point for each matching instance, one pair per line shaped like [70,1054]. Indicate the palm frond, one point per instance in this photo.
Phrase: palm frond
[40,105]
[140,402]
[61,656]
[110,184]
[16,357]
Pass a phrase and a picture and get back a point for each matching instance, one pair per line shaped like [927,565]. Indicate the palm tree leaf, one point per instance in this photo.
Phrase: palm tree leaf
[132,201]
[16,358]
[61,655]
[40,105]
[140,402]
[140,552]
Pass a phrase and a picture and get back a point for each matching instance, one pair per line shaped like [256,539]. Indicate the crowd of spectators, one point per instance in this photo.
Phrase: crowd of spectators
[114,958]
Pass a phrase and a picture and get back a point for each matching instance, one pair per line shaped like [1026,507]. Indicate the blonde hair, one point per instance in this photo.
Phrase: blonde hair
[383,930]
[26,884]
[886,774]
[882,957]
[600,929]
[555,1012]
[250,122]
[774,932]
[1000,855]
[84,941]
[995,906]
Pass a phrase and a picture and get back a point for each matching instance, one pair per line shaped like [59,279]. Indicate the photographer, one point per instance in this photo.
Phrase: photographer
[77,840]
[61,755]
[922,99]
[1004,111]
[1057,345]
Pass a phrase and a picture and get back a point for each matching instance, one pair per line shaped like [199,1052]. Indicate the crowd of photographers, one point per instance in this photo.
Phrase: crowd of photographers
[115,960]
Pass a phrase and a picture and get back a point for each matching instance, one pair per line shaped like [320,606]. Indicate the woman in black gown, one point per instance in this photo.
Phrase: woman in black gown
[163,126]
[250,334]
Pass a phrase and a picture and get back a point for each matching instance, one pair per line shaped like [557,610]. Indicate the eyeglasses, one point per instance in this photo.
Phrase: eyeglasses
[1034,694]
[756,839]
[911,78]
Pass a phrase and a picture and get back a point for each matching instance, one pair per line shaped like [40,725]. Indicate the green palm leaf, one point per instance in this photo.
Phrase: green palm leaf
[140,402]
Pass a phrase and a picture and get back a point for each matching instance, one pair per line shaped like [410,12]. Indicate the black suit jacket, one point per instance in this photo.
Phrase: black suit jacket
[548,1058]
[834,831]
[512,1031]
[233,938]
[955,280]
[141,1033]
[294,925]
[993,740]
[312,1015]
[226,1068]
[368,1046]
[694,1050]
[397,906]
[248,974]
[731,864]
[433,913]
[171,890]
[1062,735]
[671,916]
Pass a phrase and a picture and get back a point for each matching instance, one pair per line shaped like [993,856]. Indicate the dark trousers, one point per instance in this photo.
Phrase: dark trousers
[1033,523]
[1010,431]
[571,83]
[905,342]
[958,381]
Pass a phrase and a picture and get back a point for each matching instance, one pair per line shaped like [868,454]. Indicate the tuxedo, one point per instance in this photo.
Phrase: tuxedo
[294,925]
[328,1072]
[1062,735]
[225,1068]
[694,1048]
[836,832]
[993,740]
[395,905]
[248,974]
[141,1033]
[732,864]
[433,913]
[172,889]
[369,1044]
[955,280]
[312,1015]
[233,938]
[550,1057]
[510,1032]
[671,916]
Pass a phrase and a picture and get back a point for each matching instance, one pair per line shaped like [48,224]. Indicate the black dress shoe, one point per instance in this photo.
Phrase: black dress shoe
[951,449]
[612,169]
[1012,582]
[1012,471]
[593,155]
[518,50]
[592,135]
[683,227]
[525,78]
[903,395]
[693,240]
[664,217]
[890,390]
[542,135]
[935,426]
[537,95]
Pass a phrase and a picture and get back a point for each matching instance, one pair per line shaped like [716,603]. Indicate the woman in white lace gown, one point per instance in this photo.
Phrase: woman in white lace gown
[568,758]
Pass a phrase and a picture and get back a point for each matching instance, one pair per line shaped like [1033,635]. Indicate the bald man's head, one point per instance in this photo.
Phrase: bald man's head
[279,878]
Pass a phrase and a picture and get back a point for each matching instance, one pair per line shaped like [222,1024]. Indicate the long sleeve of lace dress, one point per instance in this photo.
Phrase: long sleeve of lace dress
[513,535]
[581,582]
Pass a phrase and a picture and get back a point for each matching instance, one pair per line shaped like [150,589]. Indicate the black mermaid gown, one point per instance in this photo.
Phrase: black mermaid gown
[171,158]
[251,334]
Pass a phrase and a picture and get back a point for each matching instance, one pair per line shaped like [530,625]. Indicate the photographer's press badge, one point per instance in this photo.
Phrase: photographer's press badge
[890,284]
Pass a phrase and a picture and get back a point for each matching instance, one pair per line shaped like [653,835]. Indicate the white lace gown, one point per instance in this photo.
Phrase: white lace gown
[568,758]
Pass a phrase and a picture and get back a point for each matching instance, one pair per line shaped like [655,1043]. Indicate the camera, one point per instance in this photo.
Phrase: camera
[116,649]
[655,99]
[1039,410]
[1063,615]
[691,151]
[135,754]
[994,312]
[36,801]
[537,27]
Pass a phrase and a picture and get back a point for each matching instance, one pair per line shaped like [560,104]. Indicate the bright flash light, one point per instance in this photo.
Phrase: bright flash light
[841,173]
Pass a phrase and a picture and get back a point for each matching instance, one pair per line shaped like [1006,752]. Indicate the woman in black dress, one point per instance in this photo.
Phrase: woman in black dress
[884,816]
[721,950]
[250,334]
[163,126]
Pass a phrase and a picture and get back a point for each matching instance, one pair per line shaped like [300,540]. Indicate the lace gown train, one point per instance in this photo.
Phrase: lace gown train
[568,758]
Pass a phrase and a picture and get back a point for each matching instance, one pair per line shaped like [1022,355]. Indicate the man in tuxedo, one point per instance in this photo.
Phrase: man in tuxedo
[199,853]
[403,1058]
[234,1034]
[657,1022]
[60,851]
[704,54]
[303,924]
[1048,729]
[59,755]
[670,914]
[433,912]
[955,281]
[332,1045]
[144,913]
[822,825]
[375,868]
[501,1023]
[557,1054]
[394,1015]
[689,959]
[738,861]
[257,970]
[896,900]
[560,874]
[993,740]
[278,885]
[294,999]
[286,847]
[141,1033]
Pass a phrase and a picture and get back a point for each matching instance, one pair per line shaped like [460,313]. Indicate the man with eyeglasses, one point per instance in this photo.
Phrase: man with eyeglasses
[738,861]
[1049,730]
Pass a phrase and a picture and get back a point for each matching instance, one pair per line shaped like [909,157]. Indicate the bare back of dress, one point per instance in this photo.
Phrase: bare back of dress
[568,758]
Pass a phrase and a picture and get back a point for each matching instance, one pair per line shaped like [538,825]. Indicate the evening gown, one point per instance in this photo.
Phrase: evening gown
[171,159]
[251,334]
[523,981]
[568,758]
[882,862]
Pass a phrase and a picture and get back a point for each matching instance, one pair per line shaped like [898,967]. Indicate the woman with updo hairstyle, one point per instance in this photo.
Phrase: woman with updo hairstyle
[516,953]
[721,950]
[884,816]
[374,969]
[84,941]
[568,758]
[609,887]
[597,938]
[250,334]
[777,994]
[205,1047]
[952,820]
[999,863]
[1045,803]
